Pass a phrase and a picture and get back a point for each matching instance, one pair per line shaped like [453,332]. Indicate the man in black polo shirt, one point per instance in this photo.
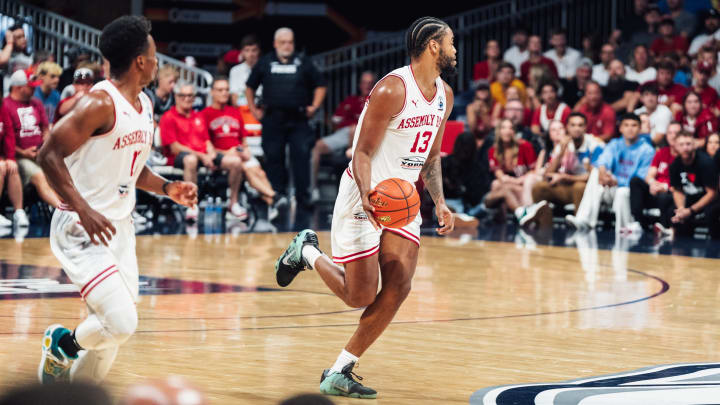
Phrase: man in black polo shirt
[293,90]
[694,184]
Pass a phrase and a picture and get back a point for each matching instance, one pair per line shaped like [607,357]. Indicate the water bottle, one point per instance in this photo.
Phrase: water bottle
[209,211]
[218,214]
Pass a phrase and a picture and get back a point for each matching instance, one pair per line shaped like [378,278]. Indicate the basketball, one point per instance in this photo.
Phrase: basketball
[396,203]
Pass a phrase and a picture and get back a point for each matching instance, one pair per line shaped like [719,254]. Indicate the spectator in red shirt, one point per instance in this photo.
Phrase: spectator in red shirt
[8,167]
[552,109]
[486,69]
[83,80]
[511,159]
[536,58]
[671,93]
[29,126]
[695,119]
[344,121]
[669,42]
[702,71]
[227,134]
[187,145]
[654,190]
[600,116]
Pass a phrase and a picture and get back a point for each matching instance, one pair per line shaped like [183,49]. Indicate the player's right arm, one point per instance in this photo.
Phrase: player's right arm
[93,114]
[386,100]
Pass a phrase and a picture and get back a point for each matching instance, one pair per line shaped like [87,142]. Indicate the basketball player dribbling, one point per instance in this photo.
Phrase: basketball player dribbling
[402,124]
[94,159]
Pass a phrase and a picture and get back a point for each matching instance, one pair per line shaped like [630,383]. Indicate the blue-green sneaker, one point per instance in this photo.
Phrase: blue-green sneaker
[54,364]
[344,384]
[292,261]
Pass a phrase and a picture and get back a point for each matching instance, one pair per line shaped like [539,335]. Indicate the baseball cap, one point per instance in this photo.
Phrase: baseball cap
[667,20]
[83,75]
[586,62]
[704,66]
[24,78]
[712,13]
[482,84]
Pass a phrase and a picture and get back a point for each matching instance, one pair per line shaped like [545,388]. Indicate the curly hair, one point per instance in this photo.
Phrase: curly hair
[421,32]
[123,40]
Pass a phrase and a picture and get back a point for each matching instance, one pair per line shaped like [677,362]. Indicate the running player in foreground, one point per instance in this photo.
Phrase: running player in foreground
[402,123]
[94,159]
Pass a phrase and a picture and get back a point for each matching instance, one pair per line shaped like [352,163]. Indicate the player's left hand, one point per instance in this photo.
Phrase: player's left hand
[183,193]
[445,219]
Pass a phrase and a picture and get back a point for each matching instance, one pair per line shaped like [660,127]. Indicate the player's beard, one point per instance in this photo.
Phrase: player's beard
[445,65]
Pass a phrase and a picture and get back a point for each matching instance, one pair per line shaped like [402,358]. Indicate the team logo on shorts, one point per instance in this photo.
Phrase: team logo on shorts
[412,162]
[123,190]
[651,385]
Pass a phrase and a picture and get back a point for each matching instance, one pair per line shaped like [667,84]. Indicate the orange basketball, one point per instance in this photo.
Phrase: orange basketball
[396,203]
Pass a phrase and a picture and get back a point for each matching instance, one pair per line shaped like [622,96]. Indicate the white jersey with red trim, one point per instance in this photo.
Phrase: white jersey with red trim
[106,167]
[410,134]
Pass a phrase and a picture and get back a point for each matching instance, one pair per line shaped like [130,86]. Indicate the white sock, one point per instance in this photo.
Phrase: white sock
[343,360]
[311,254]
[519,211]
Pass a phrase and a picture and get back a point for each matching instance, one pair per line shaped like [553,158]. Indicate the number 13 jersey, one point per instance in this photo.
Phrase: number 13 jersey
[410,134]
[106,167]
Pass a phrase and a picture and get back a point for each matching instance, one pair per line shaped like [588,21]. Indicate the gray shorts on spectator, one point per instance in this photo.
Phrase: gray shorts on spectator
[28,169]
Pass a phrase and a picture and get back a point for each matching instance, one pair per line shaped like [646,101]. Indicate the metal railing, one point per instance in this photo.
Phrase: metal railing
[58,35]
[343,66]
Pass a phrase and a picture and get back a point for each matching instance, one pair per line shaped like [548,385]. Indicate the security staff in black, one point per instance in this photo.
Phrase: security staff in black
[293,90]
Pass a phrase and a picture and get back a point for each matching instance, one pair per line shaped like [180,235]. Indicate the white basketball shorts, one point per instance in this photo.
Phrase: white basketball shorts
[86,264]
[352,236]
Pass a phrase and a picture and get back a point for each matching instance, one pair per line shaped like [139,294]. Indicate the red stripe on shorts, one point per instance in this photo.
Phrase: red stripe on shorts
[405,234]
[357,256]
[82,292]
[96,284]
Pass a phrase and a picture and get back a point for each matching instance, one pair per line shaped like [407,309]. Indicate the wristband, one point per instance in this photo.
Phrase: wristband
[164,186]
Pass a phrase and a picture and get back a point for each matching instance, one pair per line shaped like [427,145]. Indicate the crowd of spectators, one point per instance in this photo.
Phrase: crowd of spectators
[599,127]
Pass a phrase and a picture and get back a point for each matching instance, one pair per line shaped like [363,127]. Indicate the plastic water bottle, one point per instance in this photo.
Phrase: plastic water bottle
[209,212]
[218,214]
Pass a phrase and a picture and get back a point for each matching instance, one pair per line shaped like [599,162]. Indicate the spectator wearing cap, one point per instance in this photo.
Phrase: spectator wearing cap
[685,22]
[478,112]
[535,57]
[702,71]
[640,69]
[551,109]
[601,71]
[621,160]
[671,93]
[711,33]
[49,73]
[30,127]
[574,89]
[650,31]
[163,97]
[505,78]
[77,57]
[83,80]
[600,115]
[669,42]
[619,91]
[696,119]
[486,69]
[566,59]
[250,48]
[518,53]
[660,115]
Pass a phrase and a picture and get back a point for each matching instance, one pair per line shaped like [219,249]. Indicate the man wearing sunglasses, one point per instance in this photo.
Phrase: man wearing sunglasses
[83,80]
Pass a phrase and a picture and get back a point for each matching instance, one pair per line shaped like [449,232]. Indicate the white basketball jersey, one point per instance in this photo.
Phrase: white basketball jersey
[106,167]
[410,134]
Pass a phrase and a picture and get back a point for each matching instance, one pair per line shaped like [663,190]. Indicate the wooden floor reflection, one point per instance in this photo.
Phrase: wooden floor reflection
[480,314]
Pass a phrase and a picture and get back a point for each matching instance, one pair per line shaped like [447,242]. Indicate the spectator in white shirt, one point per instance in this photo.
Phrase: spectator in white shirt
[250,50]
[518,53]
[566,59]
[660,114]
[601,71]
[640,69]
[711,32]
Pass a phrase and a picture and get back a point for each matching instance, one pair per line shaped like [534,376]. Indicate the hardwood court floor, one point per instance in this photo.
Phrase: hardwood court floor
[480,314]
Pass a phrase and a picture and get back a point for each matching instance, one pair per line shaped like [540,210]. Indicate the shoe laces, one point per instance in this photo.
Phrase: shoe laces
[351,375]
